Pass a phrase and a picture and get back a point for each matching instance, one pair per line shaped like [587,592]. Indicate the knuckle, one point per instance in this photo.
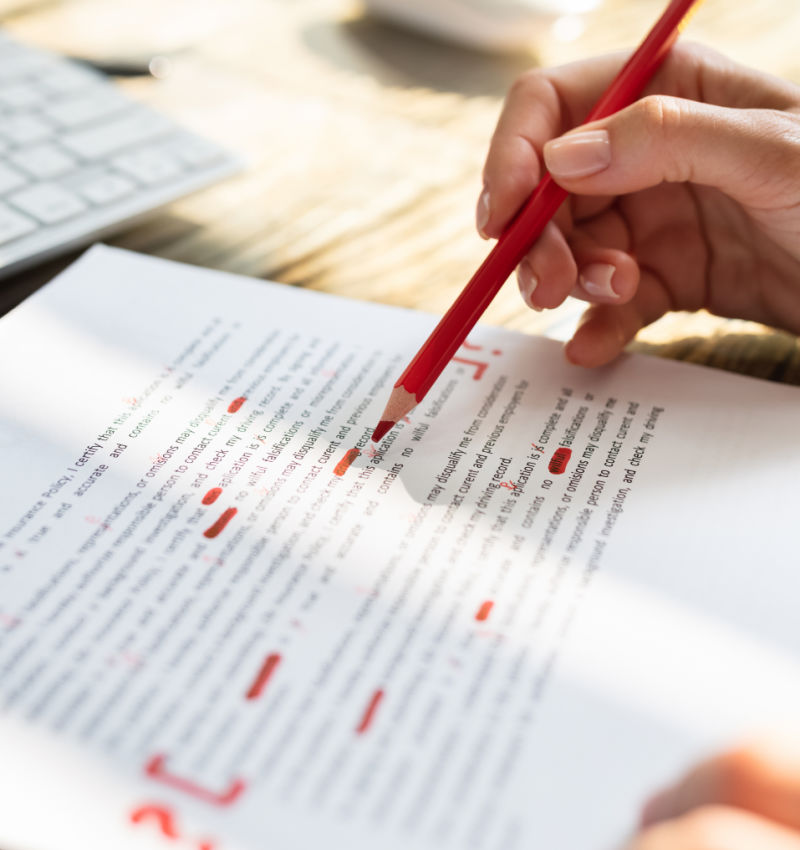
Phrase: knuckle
[528,84]
[783,129]
[737,771]
[707,828]
[663,118]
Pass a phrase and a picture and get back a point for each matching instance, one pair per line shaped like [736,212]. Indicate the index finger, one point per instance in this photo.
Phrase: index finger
[540,105]
[543,104]
[763,779]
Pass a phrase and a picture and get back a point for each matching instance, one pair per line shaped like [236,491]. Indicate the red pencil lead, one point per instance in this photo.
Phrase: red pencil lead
[401,402]
[526,227]
[384,426]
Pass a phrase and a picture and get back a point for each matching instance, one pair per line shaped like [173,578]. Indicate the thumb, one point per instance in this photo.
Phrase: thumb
[749,154]
[763,779]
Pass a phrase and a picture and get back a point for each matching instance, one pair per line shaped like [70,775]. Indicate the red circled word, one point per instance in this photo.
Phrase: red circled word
[220,524]
[344,463]
[484,611]
[212,495]
[263,677]
[369,714]
[559,460]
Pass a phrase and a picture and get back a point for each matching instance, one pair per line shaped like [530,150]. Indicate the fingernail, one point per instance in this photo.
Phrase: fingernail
[482,213]
[596,280]
[578,154]
[528,282]
[659,807]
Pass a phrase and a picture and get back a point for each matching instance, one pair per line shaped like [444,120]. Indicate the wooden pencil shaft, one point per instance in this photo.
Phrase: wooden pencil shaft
[449,334]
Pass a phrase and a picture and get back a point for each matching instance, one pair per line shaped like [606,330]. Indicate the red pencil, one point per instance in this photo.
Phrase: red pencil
[523,231]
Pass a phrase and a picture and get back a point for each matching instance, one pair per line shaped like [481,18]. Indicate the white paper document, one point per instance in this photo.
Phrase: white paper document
[228,620]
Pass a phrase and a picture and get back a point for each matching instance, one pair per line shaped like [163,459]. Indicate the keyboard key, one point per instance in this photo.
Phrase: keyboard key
[18,62]
[105,188]
[21,95]
[43,161]
[24,128]
[10,179]
[48,202]
[96,103]
[132,130]
[13,225]
[193,150]
[148,165]
[68,77]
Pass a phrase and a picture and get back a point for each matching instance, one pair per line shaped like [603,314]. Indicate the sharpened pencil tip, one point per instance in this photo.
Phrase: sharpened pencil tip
[384,426]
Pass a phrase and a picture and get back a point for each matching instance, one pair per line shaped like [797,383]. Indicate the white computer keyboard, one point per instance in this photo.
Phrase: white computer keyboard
[78,157]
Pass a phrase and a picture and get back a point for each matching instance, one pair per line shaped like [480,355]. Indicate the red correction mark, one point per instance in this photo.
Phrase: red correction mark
[155,770]
[484,611]
[263,677]
[480,365]
[165,820]
[344,463]
[161,815]
[559,460]
[236,404]
[470,347]
[215,529]
[212,495]
[369,714]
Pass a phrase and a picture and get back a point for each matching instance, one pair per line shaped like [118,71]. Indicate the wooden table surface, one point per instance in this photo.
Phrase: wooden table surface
[364,144]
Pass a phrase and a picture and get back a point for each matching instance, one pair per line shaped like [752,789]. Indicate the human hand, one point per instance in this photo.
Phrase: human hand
[685,200]
[748,799]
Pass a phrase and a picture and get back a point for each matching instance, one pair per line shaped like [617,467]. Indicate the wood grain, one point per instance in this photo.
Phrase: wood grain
[365,144]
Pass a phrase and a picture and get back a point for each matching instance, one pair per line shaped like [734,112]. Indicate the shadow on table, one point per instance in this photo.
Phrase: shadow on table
[399,57]
[774,356]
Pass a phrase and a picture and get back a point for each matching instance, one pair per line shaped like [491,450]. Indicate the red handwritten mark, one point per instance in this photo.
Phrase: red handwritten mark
[155,770]
[371,452]
[470,347]
[212,495]
[369,714]
[537,448]
[344,463]
[166,823]
[484,611]
[236,404]
[162,815]
[215,529]
[263,677]
[130,658]
[509,485]
[559,460]
[480,366]
[8,621]
[95,520]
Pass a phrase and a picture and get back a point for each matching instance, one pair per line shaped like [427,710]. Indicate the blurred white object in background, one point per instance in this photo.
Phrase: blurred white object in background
[495,25]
